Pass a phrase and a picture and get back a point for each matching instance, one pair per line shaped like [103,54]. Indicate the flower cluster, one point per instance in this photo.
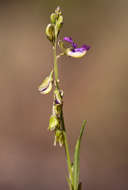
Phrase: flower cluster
[53,29]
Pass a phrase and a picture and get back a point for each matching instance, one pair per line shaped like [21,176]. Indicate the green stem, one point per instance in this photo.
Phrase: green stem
[62,118]
[67,148]
[55,64]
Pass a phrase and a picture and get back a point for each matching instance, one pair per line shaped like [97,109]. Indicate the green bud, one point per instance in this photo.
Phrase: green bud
[53,18]
[58,25]
[50,32]
[58,11]
[53,123]
[46,85]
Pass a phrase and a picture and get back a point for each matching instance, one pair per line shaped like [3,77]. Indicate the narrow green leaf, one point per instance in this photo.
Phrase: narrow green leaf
[76,158]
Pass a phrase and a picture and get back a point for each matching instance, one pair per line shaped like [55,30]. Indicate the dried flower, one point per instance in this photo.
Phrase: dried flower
[46,85]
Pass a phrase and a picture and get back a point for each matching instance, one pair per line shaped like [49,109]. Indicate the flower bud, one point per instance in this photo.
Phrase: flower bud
[46,85]
[58,11]
[58,25]
[50,32]
[53,18]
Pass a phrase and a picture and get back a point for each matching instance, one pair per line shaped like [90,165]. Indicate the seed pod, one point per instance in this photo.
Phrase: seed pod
[53,123]
[59,138]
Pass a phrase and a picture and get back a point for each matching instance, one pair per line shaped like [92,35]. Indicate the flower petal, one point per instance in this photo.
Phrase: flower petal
[76,53]
[86,47]
[68,39]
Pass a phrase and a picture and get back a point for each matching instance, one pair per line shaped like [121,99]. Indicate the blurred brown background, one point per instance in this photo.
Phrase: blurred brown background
[96,88]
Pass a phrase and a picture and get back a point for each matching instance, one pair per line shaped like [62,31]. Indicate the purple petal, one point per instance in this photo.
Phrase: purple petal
[82,49]
[57,102]
[68,39]
[74,45]
[86,47]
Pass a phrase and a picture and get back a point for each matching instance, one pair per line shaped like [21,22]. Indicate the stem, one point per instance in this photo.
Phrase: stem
[67,148]
[62,118]
[55,63]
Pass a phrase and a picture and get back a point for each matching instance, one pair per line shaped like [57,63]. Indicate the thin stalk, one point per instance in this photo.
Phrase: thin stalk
[67,148]
[55,63]
[62,118]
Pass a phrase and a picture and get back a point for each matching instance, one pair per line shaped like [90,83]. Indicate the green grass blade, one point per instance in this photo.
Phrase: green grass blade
[76,158]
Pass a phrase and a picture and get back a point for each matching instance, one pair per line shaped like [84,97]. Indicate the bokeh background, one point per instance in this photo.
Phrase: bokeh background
[95,87]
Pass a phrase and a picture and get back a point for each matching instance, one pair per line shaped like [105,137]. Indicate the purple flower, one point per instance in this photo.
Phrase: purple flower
[74,51]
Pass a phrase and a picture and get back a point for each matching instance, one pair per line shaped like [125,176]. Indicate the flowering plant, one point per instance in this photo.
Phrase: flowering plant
[56,121]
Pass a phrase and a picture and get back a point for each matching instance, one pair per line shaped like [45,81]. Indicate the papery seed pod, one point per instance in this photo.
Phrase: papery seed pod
[46,85]
[50,32]
[53,123]
[59,138]
[56,110]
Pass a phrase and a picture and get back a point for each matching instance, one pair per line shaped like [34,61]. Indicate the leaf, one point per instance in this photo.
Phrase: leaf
[76,158]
